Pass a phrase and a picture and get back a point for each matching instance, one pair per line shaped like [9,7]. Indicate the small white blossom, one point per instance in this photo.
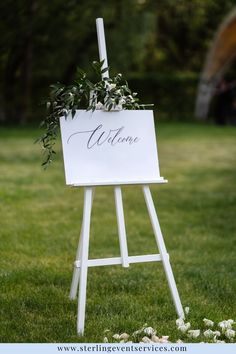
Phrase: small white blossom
[116,336]
[146,340]
[99,105]
[124,336]
[219,341]
[208,323]
[179,341]
[229,333]
[209,334]
[179,322]
[226,324]
[186,310]
[184,327]
[217,333]
[105,340]
[164,339]
[194,333]
[155,339]
[111,86]
[149,331]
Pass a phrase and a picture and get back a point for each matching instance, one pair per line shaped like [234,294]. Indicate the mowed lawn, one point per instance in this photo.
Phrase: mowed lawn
[40,221]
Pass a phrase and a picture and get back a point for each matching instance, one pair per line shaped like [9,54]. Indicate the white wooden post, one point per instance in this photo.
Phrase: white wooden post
[117,190]
[84,259]
[102,45]
[162,250]
[76,271]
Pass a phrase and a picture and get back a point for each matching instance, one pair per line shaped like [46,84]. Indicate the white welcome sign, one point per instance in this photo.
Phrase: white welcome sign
[110,148]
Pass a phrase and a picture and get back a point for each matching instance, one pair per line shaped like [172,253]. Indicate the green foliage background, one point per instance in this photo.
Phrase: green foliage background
[43,42]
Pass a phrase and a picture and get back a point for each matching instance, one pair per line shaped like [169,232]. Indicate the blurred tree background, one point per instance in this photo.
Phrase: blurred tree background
[159,46]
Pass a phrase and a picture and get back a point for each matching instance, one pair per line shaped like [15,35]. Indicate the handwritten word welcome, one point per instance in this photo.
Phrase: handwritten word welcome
[98,137]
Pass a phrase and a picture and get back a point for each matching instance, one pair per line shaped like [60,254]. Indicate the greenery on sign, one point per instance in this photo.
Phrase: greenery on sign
[106,94]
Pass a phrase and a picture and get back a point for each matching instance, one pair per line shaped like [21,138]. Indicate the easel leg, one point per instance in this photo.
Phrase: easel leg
[76,272]
[121,227]
[84,259]
[163,252]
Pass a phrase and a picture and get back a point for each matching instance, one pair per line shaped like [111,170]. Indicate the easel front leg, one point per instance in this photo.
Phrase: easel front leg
[163,252]
[84,259]
[76,272]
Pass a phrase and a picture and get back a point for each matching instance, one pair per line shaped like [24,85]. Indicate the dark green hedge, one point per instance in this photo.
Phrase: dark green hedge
[173,95]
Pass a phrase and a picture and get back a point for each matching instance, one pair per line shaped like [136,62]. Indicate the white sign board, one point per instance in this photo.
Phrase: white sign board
[110,148]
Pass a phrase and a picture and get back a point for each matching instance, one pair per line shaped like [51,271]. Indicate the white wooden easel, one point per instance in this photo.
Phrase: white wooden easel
[82,262]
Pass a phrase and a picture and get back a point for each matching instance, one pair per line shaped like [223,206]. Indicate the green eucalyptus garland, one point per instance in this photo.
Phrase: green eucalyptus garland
[106,94]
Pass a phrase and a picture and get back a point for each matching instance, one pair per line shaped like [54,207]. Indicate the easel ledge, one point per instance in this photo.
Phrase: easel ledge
[118,183]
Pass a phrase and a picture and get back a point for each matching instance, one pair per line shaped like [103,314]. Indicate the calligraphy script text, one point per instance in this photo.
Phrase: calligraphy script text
[99,136]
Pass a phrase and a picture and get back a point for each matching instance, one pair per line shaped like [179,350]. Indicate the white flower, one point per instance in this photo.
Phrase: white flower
[219,341]
[229,333]
[116,336]
[208,323]
[105,340]
[146,340]
[209,334]
[179,341]
[194,333]
[226,324]
[149,331]
[216,334]
[124,336]
[111,86]
[186,310]
[184,327]
[99,105]
[164,339]
[122,101]
[155,339]
[179,322]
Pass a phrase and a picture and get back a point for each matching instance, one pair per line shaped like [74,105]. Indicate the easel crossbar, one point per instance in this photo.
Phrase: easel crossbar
[118,260]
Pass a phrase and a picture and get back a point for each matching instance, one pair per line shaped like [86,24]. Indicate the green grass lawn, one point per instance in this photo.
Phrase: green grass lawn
[40,222]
